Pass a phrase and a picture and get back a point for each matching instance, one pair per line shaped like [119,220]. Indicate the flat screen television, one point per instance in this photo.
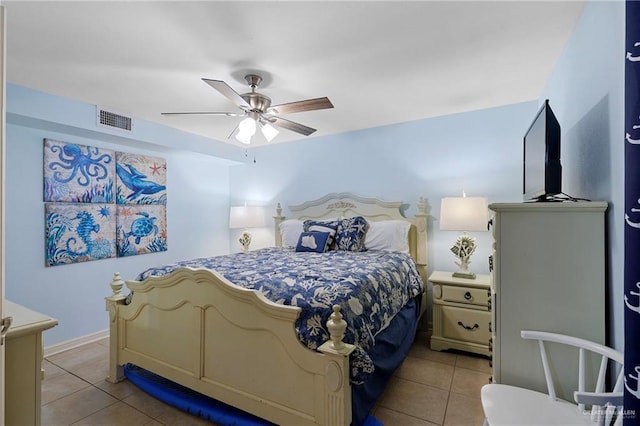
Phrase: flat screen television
[542,171]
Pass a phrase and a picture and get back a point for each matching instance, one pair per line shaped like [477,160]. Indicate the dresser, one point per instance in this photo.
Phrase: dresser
[461,313]
[547,274]
[23,364]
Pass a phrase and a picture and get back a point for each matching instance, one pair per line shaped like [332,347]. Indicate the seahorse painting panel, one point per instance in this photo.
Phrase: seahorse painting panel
[141,229]
[79,232]
[141,179]
[78,173]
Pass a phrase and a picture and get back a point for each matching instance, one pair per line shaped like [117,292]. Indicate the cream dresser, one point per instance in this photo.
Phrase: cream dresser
[23,364]
[461,313]
[548,274]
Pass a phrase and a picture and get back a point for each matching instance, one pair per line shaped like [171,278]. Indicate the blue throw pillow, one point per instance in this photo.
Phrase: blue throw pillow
[317,242]
[351,234]
[330,226]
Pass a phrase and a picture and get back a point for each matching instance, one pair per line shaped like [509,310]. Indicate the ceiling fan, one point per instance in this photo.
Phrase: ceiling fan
[258,111]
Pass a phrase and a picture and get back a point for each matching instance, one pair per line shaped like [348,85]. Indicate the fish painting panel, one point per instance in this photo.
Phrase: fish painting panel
[141,229]
[79,232]
[78,173]
[140,179]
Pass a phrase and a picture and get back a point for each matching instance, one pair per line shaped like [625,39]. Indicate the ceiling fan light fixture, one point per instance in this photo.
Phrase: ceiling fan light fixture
[246,130]
[268,131]
[257,110]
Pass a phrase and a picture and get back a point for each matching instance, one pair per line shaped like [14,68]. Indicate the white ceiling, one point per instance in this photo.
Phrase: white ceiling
[378,62]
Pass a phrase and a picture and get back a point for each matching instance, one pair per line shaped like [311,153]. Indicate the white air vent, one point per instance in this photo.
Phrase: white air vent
[114,120]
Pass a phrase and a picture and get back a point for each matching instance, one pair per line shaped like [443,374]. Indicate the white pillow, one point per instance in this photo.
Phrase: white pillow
[388,235]
[290,231]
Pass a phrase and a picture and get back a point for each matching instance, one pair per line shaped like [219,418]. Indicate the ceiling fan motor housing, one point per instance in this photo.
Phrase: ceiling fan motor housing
[258,101]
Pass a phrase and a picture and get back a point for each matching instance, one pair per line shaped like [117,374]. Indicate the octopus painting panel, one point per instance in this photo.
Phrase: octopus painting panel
[78,173]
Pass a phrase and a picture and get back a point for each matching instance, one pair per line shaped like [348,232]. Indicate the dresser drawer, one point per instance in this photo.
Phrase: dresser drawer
[466,295]
[466,324]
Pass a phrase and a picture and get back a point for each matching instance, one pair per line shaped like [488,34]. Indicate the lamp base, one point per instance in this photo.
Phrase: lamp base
[467,275]
[245,240]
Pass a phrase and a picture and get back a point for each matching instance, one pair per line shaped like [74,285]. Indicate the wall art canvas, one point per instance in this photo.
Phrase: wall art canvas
[141,229]
[79,232]
[141,179]
[78,173]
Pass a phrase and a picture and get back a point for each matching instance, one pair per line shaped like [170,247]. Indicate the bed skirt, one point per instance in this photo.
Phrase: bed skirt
[391,348]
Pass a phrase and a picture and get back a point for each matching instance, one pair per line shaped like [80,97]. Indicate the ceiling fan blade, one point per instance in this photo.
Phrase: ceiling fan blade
[299,106]
[227,91]
[291,125]
[228,114]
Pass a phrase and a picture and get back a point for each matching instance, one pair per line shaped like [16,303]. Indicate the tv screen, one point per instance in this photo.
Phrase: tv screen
[542,171]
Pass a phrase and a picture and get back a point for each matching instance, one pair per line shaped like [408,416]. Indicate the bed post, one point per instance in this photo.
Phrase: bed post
[421,238]
[337,409]
[113,302]
[278,219]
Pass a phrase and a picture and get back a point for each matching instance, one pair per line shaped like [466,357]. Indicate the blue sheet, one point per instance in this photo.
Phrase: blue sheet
[371,287]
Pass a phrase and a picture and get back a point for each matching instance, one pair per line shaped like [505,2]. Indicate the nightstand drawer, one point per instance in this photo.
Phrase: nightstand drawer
[466,324]
[469,296]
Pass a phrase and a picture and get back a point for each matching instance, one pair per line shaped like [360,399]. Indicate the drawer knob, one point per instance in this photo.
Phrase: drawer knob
[437,291]
[468,296]
[466,327]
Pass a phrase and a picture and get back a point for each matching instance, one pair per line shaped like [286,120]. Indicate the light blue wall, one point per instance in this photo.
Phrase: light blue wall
[197,210]
[586,91]
[477,152]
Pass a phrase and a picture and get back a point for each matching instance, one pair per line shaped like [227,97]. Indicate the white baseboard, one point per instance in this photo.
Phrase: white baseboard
[74,343]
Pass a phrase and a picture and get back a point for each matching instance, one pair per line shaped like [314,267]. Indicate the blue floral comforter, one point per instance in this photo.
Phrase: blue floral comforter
[371,287]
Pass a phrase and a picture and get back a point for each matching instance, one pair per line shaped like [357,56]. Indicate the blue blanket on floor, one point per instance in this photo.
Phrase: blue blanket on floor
[197,404]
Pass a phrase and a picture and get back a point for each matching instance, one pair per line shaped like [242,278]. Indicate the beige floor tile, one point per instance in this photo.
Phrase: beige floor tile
[469,382]
[51,370]
[60,385]
[471,362]
[422,350]
[463,410]
[426,372]
[116,414]
[416,400]
[76,358]
[394,418]
[94,371]
[119,390]
[76,406]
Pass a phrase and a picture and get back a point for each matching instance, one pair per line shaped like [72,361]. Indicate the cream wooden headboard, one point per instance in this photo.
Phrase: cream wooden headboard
[345,204]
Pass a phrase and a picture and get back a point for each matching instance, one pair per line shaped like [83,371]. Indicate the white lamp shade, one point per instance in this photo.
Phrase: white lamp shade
[246,217]
[246,130]
[463,214]
[269,131]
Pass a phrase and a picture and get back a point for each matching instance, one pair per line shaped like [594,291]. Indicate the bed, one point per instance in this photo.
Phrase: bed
[283,379]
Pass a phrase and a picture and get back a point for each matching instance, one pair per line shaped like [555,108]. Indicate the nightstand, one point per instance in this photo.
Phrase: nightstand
[461,313]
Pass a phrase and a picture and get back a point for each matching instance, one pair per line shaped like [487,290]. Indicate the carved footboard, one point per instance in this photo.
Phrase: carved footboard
[196,328]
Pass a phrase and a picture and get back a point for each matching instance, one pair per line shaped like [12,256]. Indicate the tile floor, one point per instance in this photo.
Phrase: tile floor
[430,388]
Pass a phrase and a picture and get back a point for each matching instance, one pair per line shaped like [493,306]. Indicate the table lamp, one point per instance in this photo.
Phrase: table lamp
[244,217]
[463,214]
